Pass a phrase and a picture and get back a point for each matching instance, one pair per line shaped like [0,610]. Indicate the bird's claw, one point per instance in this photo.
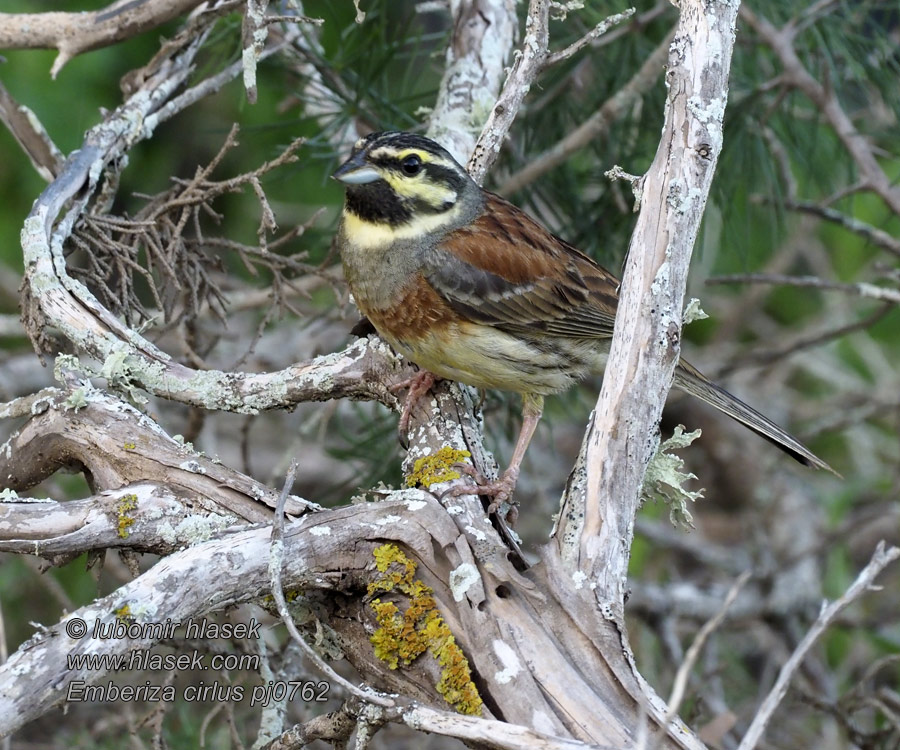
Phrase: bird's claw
[418,385]
[500,490]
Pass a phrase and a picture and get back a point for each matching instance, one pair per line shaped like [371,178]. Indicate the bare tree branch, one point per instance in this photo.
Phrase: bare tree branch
[860,288]
[60,301]
[796,75]
[117,446]
[486,733]
[181,586]
[144,517]
[30,135]
[532,58]
[679,685]
[276,563]
[507,620]
[75,33]
[548,642]
[588,39]
[863,583]
[597,124]
[646,344]
[482,38]
[767,355]
[876,236]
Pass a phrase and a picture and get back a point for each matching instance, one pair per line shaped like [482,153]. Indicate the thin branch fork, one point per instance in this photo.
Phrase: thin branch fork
[530,61]
[75,33]
[795,74]
[864,582]
[597,124]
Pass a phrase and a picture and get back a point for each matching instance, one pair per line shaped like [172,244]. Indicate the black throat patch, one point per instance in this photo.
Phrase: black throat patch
[377,203]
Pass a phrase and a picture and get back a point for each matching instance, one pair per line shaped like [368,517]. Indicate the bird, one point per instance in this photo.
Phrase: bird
[471,288]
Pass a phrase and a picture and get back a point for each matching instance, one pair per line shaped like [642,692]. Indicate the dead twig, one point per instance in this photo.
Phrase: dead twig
[860,288]
[876,236]
[74,33]
[863,583]
[276,561]
[597,124]
[762,357]
[826,101]
[693,653]
[165,245]
[31,135]
[533,57]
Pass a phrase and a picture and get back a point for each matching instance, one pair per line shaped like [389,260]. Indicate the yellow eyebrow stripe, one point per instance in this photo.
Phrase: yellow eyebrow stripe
[426,156]
[391,152]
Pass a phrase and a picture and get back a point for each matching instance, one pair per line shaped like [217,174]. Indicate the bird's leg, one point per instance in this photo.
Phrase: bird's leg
[419,384]
[502,488]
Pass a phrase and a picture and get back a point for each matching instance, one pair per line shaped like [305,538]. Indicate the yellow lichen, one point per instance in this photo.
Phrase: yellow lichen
[123,613]
[437,467]
[125,504]
[290,596]
[404,636]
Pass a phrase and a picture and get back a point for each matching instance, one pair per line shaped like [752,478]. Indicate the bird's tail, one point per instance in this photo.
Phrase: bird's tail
[692,381]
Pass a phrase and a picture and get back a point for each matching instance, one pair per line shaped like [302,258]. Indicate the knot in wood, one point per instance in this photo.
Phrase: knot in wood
[673,335]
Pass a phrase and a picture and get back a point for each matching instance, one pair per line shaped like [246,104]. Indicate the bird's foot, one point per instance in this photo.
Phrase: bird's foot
[418,385]
[500,490]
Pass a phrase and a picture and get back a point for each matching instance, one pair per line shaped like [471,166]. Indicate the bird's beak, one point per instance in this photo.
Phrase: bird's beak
[355,171]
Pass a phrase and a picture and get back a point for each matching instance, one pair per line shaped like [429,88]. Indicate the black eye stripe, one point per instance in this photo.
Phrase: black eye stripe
[395,163]
[435,172]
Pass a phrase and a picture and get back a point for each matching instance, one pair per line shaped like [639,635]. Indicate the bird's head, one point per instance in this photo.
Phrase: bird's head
[406,184]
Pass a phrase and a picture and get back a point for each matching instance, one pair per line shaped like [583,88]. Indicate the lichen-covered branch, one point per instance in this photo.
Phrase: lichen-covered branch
[440,564]
[116,445]
[144,517]
[482,39]
[321,555]
[646,343]
[30,135]
[592,540]
[56,299]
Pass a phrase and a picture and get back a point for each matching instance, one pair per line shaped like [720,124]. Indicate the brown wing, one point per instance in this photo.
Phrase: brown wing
[505,270]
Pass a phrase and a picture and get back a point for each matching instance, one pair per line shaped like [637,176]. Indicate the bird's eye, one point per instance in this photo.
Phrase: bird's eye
[411,165]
